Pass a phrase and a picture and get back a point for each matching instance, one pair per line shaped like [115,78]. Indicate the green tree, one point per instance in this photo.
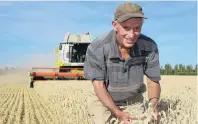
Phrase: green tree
[181,69]
[162,70]
[184,69]
[189,69]
[176,69]
[196,68]
[168,69]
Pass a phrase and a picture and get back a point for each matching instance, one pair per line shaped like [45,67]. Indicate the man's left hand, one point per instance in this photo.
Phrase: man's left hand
[156,115]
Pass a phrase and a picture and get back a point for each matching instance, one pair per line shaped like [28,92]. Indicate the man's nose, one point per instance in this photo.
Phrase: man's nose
[131,33]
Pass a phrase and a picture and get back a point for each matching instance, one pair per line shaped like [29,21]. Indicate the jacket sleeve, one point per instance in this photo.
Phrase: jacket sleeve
[94,67]
[152,69]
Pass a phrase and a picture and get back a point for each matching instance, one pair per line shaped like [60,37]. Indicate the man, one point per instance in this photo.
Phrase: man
[116,63]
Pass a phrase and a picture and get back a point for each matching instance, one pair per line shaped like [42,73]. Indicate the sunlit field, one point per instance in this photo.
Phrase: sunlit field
[65,102]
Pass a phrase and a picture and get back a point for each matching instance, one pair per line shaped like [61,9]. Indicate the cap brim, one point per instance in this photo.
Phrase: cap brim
[130,15]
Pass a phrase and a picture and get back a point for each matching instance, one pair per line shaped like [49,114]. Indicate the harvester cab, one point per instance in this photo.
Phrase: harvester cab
[69,60]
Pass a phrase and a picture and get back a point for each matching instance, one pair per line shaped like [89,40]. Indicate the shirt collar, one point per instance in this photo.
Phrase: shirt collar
[114,50]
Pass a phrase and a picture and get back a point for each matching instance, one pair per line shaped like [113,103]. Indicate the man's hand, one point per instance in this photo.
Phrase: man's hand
[105,97]
[156,115]
[124,116]
[107,101]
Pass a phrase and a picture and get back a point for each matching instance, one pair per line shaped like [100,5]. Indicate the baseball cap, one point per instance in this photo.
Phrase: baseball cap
[128,10]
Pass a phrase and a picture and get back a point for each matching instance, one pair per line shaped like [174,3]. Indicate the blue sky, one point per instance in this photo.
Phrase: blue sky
[29,31]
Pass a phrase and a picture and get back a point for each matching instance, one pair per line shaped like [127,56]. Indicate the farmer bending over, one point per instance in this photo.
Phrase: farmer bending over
[116,63]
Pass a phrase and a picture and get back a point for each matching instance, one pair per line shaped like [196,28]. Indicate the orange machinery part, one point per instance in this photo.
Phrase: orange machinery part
[53,74]
[56,68]
[56,74]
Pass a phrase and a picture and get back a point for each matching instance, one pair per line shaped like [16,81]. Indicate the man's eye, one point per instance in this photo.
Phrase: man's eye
[137,28]
[127,28]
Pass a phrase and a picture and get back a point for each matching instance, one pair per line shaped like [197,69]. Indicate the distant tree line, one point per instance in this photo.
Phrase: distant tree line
[178,69]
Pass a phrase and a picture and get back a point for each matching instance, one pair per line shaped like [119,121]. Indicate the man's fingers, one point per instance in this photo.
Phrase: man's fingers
[126,122]
[131,116]
[157,117]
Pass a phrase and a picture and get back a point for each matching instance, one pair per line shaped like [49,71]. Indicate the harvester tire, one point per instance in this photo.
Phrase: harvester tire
[39,78]
[32,84]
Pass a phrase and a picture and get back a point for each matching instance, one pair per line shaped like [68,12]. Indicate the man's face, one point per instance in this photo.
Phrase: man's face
[128,31]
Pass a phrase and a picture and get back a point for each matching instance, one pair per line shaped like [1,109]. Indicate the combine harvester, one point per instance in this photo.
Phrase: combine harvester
[69,57]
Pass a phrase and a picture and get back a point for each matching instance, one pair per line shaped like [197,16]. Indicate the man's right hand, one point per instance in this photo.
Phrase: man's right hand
[107,101]
[124,116]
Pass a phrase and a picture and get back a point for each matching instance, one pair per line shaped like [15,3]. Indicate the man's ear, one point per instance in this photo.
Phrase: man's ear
[114,24]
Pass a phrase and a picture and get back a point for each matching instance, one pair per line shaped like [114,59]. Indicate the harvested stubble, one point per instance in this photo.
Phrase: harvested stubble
[21,105]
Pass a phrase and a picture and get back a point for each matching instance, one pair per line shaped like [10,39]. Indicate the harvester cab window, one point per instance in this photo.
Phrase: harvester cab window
[78,53]
[60,47]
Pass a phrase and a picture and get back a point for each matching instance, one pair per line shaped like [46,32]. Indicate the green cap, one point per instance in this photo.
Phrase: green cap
[128,10]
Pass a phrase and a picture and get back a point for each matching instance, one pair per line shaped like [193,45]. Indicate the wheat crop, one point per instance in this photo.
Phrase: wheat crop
[65,102]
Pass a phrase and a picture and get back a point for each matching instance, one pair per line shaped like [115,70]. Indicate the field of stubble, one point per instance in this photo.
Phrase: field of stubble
[66,102]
